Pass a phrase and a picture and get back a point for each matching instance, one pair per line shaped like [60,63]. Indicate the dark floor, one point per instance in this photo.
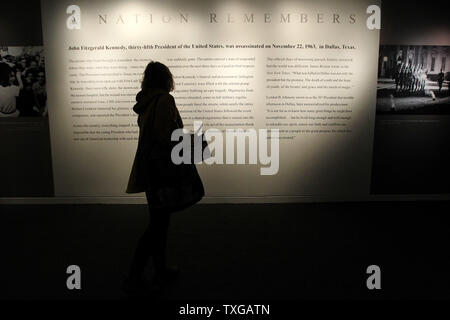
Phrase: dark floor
[269,251]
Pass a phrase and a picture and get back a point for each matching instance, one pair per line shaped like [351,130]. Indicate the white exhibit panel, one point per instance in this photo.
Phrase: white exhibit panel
[305,68]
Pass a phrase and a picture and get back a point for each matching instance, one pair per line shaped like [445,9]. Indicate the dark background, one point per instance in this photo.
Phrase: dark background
[252,251]
[411,153]
[20,23]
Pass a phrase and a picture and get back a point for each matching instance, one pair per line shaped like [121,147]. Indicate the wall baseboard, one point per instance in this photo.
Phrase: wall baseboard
[225,200]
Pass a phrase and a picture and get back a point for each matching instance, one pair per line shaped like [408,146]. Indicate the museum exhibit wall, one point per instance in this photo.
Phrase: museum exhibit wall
[25,161]
[306,68]
[411,140]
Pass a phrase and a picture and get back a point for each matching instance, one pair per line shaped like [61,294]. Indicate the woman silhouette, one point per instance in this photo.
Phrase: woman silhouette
[168,187]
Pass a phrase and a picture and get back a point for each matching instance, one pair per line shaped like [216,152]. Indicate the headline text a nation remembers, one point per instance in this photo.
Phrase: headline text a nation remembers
[228,18]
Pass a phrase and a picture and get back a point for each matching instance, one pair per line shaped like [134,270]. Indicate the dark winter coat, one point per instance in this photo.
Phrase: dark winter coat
[172,187]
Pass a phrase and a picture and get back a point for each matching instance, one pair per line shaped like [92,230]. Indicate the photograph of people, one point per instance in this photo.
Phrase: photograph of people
[23,87]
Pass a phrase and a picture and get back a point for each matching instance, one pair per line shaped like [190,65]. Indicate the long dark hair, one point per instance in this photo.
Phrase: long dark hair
[157,75]
[5,74]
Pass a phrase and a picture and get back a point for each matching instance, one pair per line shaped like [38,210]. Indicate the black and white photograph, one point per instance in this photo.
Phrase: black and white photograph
[24,123]
[22,82]
[413,80]
[411,137]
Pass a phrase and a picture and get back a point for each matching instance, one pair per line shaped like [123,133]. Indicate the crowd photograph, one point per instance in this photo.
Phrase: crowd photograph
[22,82]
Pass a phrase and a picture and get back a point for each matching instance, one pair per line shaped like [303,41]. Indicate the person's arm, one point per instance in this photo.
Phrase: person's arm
[45,112]
[19,79]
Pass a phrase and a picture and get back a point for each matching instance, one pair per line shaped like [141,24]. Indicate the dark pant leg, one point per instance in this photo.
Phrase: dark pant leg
[152,243]
[161,224]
